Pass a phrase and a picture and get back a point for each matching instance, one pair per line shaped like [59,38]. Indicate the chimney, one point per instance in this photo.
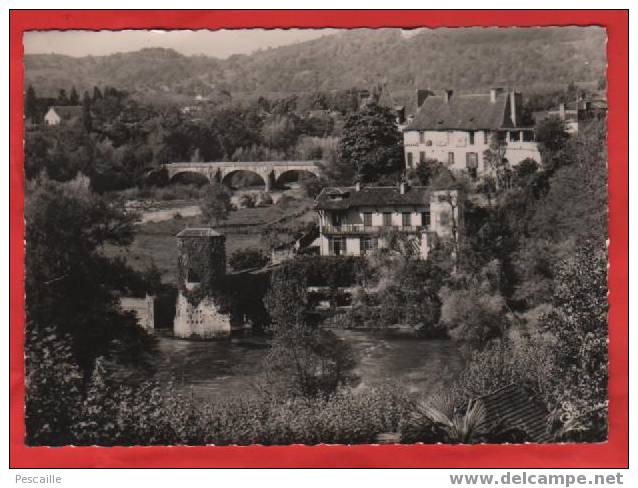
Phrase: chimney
[447,95]
[494,92]
[403,187]
[561,111]
[421,95]
[357,186]
[516,103]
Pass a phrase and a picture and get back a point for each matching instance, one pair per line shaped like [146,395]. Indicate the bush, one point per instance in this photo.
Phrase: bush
[264,199]
[247,258]
[247,200]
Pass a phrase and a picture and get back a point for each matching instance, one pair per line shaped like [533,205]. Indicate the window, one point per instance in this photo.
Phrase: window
[485,138]
[337,246]
[367,245]
[471,162]
[515,136]
[425,218]
[471,138]
[406,219]
[409,156]
[450,158]
[367,219]
[387,219]
[337,219]
[422,157]
[421,137]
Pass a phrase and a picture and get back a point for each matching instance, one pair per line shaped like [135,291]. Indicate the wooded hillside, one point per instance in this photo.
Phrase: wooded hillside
[473,58]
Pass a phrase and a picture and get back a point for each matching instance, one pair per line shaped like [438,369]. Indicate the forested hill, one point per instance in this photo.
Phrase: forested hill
[458,58]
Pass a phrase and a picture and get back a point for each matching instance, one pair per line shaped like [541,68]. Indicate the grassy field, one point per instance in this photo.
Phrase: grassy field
[155,241]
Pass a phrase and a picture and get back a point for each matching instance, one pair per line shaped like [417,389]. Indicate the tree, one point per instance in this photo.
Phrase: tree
[62,98]
[74,98]
[304,360]
[494,156]
[97,94]
[474,314]
[552,136]
[579,323]
[87,119]
[525,171]
[371,143]
[427,170]
[70,284]
[31,105]
[247,258]
[215,204]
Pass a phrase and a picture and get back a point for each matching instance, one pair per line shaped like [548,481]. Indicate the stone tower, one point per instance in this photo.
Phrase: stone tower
[201,267]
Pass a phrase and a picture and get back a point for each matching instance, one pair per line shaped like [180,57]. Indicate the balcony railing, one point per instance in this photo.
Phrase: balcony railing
[369,229]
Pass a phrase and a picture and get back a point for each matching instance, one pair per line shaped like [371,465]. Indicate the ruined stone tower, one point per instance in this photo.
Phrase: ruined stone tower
[201,266]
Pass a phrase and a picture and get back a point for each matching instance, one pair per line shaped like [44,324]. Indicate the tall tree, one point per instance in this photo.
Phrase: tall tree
[371,143]
[70,284]
[87,118]
[97,94]
[74,98]
[62,98]
[215,204]
[31,104]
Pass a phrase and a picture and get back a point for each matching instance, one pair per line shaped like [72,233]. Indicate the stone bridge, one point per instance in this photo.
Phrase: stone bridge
[268,171]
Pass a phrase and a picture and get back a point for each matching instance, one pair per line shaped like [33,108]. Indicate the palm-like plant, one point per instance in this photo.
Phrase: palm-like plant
[452,426]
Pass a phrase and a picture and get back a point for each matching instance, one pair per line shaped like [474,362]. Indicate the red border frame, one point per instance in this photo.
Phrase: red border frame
[613,453]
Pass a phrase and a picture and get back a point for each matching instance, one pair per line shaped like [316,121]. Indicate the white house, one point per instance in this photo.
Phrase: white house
[354,221]
[457,129]
[63,114]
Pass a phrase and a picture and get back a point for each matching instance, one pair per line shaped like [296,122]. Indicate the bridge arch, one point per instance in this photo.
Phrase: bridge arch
[192,177]
[229,175]
[294,174]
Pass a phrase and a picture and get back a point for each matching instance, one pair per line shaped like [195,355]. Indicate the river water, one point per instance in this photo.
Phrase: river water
[218,369]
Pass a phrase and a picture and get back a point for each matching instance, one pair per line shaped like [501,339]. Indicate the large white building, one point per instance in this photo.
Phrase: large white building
[456,129]
[356,220]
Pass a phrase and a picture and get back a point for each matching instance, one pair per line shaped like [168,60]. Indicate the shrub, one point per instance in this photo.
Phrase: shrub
[247,200]
[264,199]
[247,258]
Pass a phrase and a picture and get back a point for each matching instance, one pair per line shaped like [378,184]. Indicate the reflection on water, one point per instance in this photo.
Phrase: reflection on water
[223,368]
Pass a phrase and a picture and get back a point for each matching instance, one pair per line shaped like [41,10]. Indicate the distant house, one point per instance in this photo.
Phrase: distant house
[575,113]
[356,220]
[457,129]
[57,115]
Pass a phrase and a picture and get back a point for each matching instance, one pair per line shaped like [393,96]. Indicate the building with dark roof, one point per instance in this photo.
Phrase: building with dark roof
[456,129]
[356,220]
[57,115]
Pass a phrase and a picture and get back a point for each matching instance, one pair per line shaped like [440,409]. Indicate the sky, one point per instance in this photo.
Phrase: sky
[220,44]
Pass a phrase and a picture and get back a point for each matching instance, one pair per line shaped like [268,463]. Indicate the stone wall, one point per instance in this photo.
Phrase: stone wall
[200,322]
[144,309]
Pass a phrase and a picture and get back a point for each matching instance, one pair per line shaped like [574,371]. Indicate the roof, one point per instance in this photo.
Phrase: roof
[67,112]
[345,197]
[515,407]
[463,111]
[199,232]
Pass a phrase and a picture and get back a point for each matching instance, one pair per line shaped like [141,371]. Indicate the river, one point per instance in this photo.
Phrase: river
[218,369]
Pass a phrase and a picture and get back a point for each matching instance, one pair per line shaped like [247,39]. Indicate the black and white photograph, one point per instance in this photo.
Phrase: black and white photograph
[316,236]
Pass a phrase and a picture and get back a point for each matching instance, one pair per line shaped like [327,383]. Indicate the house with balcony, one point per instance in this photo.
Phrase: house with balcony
[456,129]
[357,220]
